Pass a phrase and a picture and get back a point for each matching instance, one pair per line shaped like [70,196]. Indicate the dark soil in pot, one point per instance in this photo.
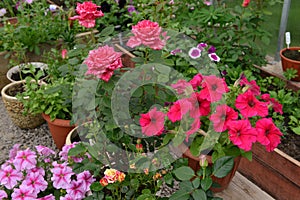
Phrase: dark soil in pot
[17,76]
[290,144]
[292,54]
[17,89]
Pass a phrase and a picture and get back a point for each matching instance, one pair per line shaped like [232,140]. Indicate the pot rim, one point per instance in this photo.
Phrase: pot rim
[4,89]
[290,60]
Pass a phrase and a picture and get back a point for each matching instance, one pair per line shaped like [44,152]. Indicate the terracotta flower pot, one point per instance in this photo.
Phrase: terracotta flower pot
[15,108]
[193,162]
[289,63]
[59,129]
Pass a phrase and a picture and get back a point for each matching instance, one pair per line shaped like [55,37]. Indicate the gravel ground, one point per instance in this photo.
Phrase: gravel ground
[10,134]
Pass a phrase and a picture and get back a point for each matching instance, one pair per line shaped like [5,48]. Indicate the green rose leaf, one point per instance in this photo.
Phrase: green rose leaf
[223,166]
[184,173]
[199,195]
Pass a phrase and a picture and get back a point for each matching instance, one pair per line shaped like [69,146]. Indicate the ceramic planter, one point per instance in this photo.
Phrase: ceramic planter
[275,172]
[13,74]
[59,129]
[289,63]
[15,108]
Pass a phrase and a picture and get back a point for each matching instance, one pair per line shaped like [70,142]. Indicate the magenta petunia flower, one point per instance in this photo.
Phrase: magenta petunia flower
[48,197]
[268,134]
[103,61]
[199,106]
[179,109]
[196,81]
[87,12]
[181,86]
[44,151]
[222,116]
[249,106]
[23,193]
[152,123]
[194,52]
[195,126]
[214,57]
[175,51]
[76,189]
[25,160]
[38,170]
[211,50]
[3,194]
[246,3]
[242,134]
[67,197]
[252,85]
[61,177]
[86,178]
[201,46]
[149,34]
[273,103]
[36,182]
[213,88]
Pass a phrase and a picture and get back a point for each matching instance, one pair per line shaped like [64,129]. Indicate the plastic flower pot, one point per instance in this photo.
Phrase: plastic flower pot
[59,129]
[288,63]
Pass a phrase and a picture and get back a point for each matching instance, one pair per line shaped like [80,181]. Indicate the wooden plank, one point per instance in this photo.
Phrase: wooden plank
[241,188]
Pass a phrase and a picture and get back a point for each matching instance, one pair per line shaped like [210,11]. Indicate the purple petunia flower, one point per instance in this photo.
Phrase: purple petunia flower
[194,53]
[2,12]
[175,51]
[214,57]
[211,49]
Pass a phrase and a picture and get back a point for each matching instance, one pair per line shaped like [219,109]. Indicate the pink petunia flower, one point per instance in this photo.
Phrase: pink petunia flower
[252,85]
[103,61]
[23,193]
[213,88]
[268,134]
[195,126]
[222,116]
[64,53]
[9,177]
[25,160]
[202,45]
[67,197]
[39,170]
[152,123]
[242,134]
[76,189]
[181,86]
[149,34]
[249,106]
[3,194]
[196,81]
[48,197]
[36,182]
[273,103]
[44,151]
[61,177]
[87,12]
[179,109]
[13,152]
[86,178]
[199,106]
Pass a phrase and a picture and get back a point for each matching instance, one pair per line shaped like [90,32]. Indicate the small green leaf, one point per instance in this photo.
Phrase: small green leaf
[223,166]
[296,130]
[184,173]
[96,186]
[206,183]
[180,195]
[199,195]
[78,149]
[196,182]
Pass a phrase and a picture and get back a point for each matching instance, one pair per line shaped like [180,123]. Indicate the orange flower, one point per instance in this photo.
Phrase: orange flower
[103,181]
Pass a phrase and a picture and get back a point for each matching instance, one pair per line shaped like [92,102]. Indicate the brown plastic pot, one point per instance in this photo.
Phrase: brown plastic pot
[193,162]
[59,129]
[290,64]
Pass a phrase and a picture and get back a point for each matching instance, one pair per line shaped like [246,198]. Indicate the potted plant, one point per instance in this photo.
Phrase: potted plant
[38,174]
[54,99]
[290,59]
[140,103]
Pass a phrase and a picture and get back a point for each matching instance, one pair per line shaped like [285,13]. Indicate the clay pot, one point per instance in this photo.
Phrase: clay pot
[15,108]
[289,63]
[193,162]
[59,129]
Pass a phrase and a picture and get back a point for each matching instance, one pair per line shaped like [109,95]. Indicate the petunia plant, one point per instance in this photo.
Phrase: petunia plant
[39,174]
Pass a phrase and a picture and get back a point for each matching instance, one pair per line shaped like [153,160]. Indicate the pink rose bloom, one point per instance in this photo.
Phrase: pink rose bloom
[103,61]
[87,12]
[246,3]
[149,34]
